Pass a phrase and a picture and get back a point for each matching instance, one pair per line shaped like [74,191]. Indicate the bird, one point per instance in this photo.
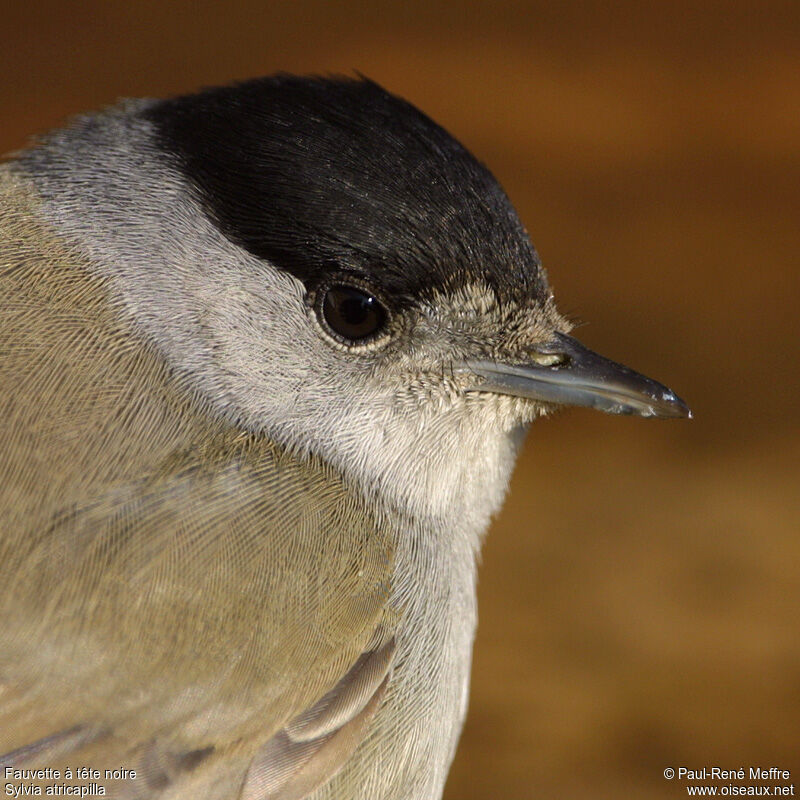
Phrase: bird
[268,352]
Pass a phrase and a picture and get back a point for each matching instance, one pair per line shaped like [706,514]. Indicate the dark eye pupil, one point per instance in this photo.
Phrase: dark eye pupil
[353,313]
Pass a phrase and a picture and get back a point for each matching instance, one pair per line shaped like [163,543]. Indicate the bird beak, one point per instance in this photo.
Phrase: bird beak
[564,371]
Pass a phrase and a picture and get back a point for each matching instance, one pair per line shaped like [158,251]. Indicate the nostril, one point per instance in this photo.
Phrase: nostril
[549,359]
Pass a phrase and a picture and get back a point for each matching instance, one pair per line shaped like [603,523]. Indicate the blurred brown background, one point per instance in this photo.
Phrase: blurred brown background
[639,594]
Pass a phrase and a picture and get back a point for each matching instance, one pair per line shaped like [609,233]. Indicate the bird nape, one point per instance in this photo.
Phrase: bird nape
[267,352]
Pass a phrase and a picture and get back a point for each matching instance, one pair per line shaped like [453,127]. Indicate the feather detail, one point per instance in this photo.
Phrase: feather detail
[314,746]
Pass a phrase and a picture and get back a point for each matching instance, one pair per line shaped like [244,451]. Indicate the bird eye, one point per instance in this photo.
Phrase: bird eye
[352,313]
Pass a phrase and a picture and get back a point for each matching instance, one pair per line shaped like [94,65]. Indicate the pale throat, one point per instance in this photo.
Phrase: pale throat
[450,470]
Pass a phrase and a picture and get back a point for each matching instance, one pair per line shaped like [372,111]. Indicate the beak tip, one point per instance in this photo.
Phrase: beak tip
[671,405]
[680,409]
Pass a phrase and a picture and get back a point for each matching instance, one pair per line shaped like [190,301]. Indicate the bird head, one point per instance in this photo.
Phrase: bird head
[328,266]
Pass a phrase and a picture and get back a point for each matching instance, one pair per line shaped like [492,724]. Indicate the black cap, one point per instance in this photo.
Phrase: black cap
[319,175]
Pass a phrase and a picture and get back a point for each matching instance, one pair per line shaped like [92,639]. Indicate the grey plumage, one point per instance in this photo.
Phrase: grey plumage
[237,554]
